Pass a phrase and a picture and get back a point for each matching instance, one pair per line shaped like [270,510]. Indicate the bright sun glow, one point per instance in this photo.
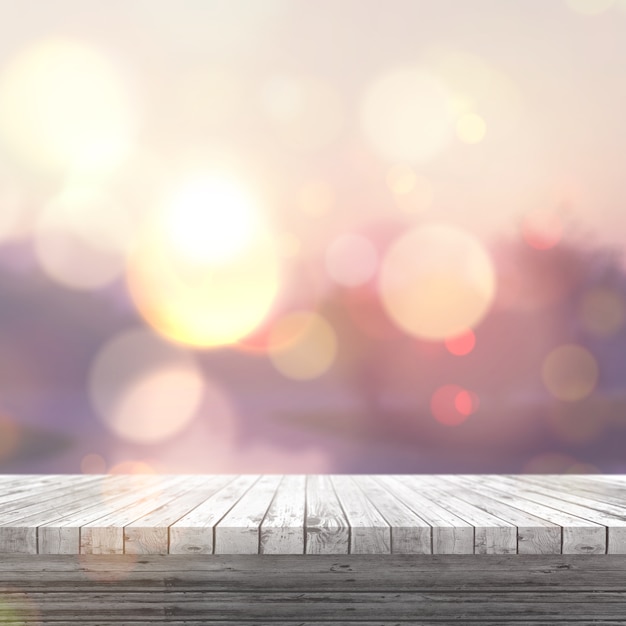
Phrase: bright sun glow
[205,271]
[210,219]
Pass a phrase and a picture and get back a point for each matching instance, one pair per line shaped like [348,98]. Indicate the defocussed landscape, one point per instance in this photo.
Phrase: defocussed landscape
[286,236]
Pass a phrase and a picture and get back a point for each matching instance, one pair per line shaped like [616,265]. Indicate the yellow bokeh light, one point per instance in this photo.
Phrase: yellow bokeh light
[570,372]
[209,219]
[144,389]
[406,115]
[304,345]
[590,7]
[307,112]
[351,260]
[63,104]
[205,271]
[437,281]
[602,311]
[81,238]
[471,128]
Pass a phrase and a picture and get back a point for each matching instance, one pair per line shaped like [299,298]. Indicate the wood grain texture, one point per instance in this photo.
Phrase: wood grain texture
[313,515]
[492,535]
[369,531]
[149,534]
[279,605]
[105,535]
[312,590]
[282,529]
[193,533]
[535,535]
[410,534]
[327,529]
[239,531]
[450,533]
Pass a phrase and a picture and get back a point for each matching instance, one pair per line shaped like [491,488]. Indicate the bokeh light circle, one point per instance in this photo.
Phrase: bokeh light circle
[81,238]
[200,277]
[570,372]
[542,229]
[303,345]
[144,389]
[63,104]
[436,281]
[461,345]
[451,405]
[406,115]
[471,128]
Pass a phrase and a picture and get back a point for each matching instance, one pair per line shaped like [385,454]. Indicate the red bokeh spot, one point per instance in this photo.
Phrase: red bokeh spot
[542,230]
[461,344]
[466,402]
[452,404]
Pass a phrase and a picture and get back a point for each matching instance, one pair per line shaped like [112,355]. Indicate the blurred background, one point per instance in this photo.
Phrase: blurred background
[294,236]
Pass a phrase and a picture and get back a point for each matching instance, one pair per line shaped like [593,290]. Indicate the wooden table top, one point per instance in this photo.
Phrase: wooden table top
[314,514]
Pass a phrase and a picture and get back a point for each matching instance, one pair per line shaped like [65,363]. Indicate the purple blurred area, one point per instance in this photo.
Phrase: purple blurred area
[288,236]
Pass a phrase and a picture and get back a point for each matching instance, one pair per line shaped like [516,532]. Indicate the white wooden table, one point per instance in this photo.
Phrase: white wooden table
[293,514]
[312,550]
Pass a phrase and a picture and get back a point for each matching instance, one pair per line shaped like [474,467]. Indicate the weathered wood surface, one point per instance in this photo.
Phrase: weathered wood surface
[307,515]
[312,590]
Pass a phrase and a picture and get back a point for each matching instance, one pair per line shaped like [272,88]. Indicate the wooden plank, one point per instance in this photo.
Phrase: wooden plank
[327,530]
[239,530]
[369,532]
[282,530]
[339,623]
[326,623]
[194,532]
[39,504]
[149,534]
[450,533]
[577,534]
[38,491]
[410,534]
[492,535]
[575,505]
[614,495]
[296,573]
[535,535]
[62,535]
[364,606]
[299,622]
[106,534]
[19,532]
